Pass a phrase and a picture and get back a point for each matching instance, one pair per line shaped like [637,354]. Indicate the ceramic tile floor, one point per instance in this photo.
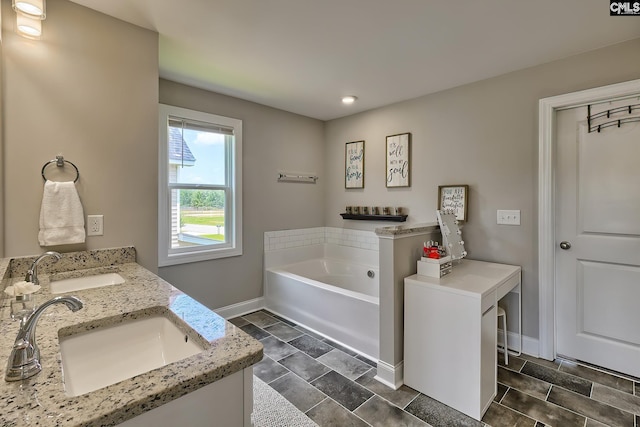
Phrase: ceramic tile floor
[335,387]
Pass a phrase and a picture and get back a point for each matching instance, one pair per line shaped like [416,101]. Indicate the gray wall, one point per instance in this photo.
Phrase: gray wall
[273,140]
[1,146]
[482,134]
[88,90]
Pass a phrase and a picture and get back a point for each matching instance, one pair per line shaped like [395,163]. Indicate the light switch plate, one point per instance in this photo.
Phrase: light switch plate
[508,217]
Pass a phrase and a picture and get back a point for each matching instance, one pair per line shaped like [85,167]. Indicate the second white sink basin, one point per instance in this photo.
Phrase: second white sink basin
[86,282]
[105,356]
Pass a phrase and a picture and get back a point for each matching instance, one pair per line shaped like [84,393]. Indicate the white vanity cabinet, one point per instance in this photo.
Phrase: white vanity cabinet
[227,402]
[450,333]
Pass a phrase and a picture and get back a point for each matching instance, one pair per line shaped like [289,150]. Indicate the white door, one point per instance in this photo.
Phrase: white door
[598,240]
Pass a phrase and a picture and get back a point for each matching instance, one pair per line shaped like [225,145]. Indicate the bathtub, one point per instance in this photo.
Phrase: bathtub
[335,298]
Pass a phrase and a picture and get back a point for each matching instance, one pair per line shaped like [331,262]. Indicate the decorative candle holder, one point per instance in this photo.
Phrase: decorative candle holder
[22,306]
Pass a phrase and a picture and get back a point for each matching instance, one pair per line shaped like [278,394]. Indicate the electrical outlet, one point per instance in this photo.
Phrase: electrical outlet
[509,217]
[95,225]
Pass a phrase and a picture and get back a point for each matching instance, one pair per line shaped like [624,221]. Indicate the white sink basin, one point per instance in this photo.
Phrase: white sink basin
[105,356]
[86,282]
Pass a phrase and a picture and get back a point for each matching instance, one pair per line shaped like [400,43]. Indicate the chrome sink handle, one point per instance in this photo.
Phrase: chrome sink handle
[24,361]
[32,274]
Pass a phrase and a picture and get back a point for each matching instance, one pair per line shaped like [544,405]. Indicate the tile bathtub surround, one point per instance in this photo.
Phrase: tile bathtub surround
[285,239]
[335,387]
[227,350]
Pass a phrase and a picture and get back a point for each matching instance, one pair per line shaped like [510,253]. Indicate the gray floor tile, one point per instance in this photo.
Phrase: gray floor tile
[525,383]
[297,391]
[282,319]
[313,347]
[254,331]
[283,331]
[568,381]
[604,413]
[268,370]
[502,389]
[617,398]
[597,376]
[401,397]
[548,363]
[438,414]
[305,366]
[310,333]
[239,321]
[594,423]
[537,409]
[367,361]
[515,363]
[276,349]
[330,414]
[380,413]
[342,390]
[344,364]
[500,416]
[520,400]
[339,347]
[261,319]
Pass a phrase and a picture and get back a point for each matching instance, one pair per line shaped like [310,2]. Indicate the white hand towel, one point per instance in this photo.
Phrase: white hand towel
[61,215]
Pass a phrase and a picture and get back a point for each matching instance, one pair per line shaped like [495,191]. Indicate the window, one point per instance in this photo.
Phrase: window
[200,191]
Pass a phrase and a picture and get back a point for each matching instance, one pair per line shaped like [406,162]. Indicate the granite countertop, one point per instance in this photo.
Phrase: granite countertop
[396,230]
[41,400]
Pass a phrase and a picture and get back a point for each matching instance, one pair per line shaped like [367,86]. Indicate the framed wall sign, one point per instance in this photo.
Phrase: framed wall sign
[398,158]
[454,198]
[354,164]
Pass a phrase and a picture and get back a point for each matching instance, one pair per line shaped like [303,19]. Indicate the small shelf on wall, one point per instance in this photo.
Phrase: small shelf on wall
[396,218]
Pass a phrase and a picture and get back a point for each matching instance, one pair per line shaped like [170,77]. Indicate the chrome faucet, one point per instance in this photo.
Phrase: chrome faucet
[24,361]
[32,274]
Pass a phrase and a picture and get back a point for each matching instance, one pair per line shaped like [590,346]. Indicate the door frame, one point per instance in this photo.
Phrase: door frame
[547,109]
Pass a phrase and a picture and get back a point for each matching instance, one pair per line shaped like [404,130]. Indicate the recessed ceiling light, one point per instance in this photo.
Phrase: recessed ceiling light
[348,100]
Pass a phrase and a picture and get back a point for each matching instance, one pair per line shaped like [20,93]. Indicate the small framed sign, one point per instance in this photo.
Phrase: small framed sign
[398,158]
[354,164]
[454,198]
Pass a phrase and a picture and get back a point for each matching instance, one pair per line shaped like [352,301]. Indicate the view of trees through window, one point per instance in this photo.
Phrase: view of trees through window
[201,217]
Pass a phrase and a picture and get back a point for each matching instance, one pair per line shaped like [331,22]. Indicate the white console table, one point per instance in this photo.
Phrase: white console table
[450,333]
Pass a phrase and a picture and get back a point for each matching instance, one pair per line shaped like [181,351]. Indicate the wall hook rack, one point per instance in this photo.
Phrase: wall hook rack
[628,109]
[289,177]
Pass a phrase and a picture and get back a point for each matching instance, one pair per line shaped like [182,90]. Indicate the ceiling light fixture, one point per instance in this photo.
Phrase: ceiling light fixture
[29,17]
[28,27]
[33,8]
[348,100]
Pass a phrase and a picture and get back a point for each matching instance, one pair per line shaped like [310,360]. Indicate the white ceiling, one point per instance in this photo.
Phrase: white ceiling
[304,55]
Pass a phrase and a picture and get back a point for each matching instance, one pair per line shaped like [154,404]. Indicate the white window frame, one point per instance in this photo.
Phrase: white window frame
[233,205]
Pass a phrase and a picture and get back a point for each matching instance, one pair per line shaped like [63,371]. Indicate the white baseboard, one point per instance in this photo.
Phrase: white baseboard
[530,345]
[241,308]
[389,375]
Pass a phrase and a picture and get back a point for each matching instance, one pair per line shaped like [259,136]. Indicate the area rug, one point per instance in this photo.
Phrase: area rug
[270,409]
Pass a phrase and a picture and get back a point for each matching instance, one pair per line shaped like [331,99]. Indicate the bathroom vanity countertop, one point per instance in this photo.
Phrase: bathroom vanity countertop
[396,230]
[41,400]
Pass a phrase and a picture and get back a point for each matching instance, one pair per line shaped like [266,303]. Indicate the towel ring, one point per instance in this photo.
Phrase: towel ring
[60,161]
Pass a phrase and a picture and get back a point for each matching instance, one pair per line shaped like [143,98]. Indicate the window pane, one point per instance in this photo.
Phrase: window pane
[197,156]
[197,218]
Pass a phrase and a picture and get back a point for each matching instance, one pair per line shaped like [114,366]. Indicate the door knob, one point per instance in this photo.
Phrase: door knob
[565,245]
